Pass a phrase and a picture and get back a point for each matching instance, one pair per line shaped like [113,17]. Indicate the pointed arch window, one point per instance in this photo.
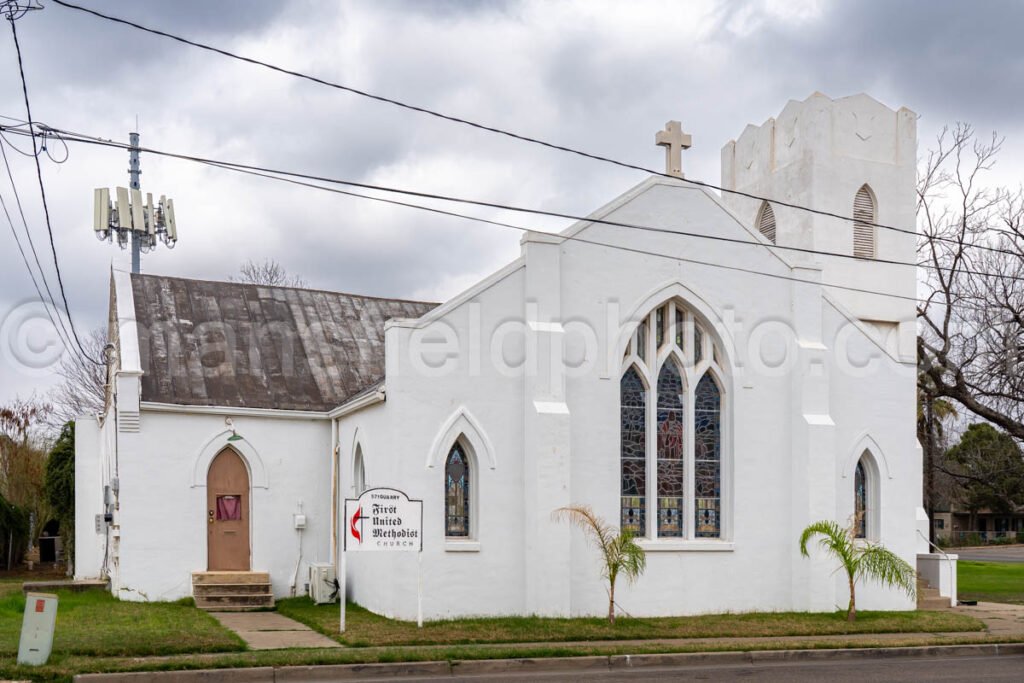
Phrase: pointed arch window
[457,493]
[863,223]
[860,500]
[359,471]
[671,408]
[671,452]
[766,221]
[633,451]
[707,457]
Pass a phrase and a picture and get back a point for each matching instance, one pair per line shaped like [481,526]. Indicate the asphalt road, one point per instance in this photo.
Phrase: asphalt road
[999,553]
[895,669]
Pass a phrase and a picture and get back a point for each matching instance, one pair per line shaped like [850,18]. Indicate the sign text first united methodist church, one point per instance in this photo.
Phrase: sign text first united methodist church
[383,519]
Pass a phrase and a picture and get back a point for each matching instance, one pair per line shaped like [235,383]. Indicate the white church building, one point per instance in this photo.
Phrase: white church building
[710,370]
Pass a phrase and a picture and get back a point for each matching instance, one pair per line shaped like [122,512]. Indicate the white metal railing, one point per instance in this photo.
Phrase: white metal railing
[952,569]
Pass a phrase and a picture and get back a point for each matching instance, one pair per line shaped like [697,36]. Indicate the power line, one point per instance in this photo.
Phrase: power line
[268,175]
[65,337]
[466,122]
[42,191]
[573,238]
[69,136]
[258,170]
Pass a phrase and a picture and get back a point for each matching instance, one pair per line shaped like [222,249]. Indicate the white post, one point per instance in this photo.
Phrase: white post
[341,587]
[419,589]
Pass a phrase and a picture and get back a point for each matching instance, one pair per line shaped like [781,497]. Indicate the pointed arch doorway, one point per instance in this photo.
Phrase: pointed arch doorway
[227,513]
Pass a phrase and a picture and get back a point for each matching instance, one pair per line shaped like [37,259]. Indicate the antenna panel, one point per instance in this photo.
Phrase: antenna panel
[172,225]
[138,219]
[124,216]
[150,215]
[101,209]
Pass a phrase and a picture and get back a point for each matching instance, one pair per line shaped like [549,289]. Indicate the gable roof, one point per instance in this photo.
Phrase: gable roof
[231,344]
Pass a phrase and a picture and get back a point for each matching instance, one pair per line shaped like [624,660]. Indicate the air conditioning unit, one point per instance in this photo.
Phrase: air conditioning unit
[323,583]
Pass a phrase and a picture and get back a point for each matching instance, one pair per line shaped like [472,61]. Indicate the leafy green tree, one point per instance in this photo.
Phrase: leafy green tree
[990,466]
[860,560]
[619,552]
[60,486]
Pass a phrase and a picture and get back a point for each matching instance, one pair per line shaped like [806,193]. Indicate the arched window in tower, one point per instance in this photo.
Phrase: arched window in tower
[456,493]
[860,501]
[707,458]
[863,223]
[633,451]
[766,221]
[671,453]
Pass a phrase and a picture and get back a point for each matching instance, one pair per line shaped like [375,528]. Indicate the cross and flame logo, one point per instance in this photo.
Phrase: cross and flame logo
[357,519]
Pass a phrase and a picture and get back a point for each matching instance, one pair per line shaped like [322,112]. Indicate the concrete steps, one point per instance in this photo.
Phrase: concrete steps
[928,598]
[232,591]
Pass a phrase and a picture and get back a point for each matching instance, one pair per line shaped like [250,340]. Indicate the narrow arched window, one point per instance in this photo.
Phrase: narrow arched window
[359,472]
[766,221]
[860,501]
[633,451]
[863,223]
[671,450]
[456,493]
[707,458]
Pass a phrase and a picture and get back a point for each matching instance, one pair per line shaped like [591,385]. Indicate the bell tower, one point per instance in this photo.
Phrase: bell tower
[853,157]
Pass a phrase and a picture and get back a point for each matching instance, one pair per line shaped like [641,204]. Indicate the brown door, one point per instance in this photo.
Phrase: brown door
[227,513]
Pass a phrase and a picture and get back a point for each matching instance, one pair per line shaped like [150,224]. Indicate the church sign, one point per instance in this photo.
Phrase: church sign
[383,520]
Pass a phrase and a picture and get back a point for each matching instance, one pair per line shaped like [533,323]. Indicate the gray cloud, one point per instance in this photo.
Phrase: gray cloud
[599,76]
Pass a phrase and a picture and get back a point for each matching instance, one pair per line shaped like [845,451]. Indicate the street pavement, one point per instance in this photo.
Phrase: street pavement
[898,670]
[996,553]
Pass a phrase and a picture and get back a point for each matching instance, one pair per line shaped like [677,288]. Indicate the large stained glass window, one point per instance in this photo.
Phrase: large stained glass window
[860,501]
[707,458]
[633,451]
[456,494]
[671,427]
[671,453]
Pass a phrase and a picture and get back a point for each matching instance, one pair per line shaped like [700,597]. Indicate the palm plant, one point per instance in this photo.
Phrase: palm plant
[619,552]
[860,560]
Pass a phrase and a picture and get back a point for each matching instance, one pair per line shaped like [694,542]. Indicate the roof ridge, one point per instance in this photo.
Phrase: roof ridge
[300,289]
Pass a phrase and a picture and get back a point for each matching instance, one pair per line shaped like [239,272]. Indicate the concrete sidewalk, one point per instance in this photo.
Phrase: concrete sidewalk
[272,631]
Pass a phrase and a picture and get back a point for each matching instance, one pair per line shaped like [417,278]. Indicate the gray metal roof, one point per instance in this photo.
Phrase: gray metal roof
[231,344]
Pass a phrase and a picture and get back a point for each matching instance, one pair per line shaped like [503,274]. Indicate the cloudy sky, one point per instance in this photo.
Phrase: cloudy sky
[601,76]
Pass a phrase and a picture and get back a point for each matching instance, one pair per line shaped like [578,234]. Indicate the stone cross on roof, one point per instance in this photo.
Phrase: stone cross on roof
[674,140]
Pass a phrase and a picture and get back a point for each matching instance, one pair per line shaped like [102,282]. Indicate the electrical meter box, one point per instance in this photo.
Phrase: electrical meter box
[37,629]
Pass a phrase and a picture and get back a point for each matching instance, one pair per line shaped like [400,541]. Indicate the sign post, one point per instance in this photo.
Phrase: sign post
[383,520]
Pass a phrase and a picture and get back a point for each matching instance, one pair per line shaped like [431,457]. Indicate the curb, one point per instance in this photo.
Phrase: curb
[473,667]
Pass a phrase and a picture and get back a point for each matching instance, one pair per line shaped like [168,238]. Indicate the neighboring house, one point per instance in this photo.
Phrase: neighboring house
[690,381]
[959,526]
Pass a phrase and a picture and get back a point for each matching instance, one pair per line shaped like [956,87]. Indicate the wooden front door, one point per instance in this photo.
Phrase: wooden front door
[227,513]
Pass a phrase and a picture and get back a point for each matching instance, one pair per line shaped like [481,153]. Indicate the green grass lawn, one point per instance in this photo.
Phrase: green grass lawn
[95,623]
[990,581]
[365,628]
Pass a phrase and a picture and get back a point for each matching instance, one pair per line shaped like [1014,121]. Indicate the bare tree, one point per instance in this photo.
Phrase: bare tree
[971,346]
[23,453]
[83,388]
[269,272]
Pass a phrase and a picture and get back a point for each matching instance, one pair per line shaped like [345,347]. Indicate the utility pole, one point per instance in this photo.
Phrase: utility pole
[133,182]
[129,220]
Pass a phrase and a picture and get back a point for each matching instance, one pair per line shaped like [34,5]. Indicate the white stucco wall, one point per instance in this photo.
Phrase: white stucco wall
[162,504]
[790,431]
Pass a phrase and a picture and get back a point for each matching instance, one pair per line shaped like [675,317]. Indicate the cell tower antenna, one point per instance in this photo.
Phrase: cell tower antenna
[129,219]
